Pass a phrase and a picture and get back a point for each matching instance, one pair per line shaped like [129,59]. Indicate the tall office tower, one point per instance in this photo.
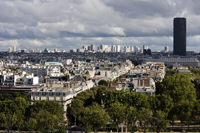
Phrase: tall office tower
[37,50]
[179,36]
[108,49]
[113,48]
[31,50]
[132,50]
[166,49]
[145,47]
[127,49]
[118,48]
[19,50]
[55,50]
[85,47]
[88,48]
[102,47]
[106,46]
[14,48]
[137,49]
[9,50]
[92,47]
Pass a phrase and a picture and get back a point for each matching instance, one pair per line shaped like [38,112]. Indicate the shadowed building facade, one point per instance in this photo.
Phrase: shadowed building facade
[179,36]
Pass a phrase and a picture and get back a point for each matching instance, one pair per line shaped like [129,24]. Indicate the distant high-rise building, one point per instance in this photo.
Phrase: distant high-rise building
[55,50]
[31,50]
[92,47]
[73,51]
[118,48]
[145,47]
[46,50]
[37,50]
[113,48]
[9,50]
[127,49]
[166,49]
[107,49]
[179,36]
[132,50]
[89,48]
[85,47]
[14,48]
[102,47]
[137,49]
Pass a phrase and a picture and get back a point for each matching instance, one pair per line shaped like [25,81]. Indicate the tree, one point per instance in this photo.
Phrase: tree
[8,120]
[132,118]
[46,122]
[142,101]
[159,120]
[116,112]
[179,87]
[20,119]
[53,107]
[160,102]
[95,117]
[31,124]
[8,116]
[144,115]
[76,108]
[184,111]
[135,62]
[21,104]
[103,82]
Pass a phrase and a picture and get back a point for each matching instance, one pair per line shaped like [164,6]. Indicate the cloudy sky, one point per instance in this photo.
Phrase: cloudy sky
[68,24]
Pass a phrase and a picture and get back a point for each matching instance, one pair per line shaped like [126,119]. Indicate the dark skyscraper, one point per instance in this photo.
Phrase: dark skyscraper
[179,36]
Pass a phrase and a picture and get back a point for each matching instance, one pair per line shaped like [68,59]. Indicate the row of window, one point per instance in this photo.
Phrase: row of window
[51,93]
[47,98]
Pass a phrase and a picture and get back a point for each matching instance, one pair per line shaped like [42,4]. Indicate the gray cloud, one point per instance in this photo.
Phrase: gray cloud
[71,23]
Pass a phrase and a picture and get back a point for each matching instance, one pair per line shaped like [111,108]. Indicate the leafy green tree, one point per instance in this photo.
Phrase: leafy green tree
[184,111]
[135,62]
[132,118]
[76,108]
[173,115]
[144,116]
[142,101]
[20,119]
[196,111]
[100,94]
[95,117]
[46,122]
[160,102]
[116,112]
[103,82]
[31,124]
[179,87]
[21,104]
[8,120]
[159,120]
[53,107]
[62,127]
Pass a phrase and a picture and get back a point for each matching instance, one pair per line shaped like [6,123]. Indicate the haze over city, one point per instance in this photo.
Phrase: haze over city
[68,24]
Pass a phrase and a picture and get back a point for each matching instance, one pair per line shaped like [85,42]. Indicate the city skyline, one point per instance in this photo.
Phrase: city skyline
[71,24]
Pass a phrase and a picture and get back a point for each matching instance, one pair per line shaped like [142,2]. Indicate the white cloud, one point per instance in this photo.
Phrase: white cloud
[72,23]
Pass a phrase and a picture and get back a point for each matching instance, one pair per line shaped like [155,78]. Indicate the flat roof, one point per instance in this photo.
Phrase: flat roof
[53,64]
